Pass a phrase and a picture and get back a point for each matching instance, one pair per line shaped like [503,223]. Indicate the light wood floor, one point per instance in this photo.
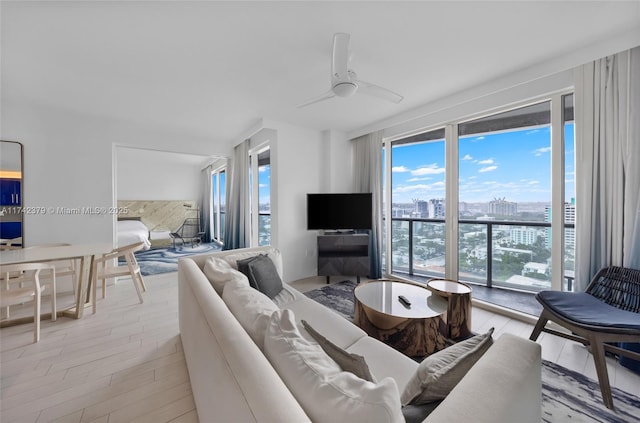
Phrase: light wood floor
[125,364]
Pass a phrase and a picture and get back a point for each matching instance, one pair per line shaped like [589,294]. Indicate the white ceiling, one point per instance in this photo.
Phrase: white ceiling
[214,69]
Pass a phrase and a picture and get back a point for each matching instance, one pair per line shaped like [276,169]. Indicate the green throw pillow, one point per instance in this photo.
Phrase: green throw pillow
[440,372]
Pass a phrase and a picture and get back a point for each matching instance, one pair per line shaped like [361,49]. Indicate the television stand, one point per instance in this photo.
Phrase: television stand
[343,254]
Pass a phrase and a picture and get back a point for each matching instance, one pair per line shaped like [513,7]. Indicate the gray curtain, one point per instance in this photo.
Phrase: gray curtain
[607,164]
[205,203]
[236,228]
[367,177]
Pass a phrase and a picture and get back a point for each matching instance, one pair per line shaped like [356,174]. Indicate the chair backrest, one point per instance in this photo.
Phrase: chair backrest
[618,287]
[190,227]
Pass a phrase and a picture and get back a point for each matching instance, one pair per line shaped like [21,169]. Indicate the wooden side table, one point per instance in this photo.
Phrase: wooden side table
[458,296]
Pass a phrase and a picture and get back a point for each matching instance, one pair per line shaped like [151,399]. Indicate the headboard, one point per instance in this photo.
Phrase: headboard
[158,215]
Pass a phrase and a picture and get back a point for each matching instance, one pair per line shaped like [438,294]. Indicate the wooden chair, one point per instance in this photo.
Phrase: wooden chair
[28,274]
[104,269]
[63,267]
[607,312]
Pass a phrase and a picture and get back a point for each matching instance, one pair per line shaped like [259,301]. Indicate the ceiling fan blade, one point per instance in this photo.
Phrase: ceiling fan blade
[377,91]
[325,96]
[340,58]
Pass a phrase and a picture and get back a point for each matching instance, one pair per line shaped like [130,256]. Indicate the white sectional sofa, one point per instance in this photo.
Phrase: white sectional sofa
[234,381]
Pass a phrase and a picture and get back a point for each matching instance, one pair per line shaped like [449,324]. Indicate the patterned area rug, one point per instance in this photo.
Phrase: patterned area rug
[164,260]
[567,396]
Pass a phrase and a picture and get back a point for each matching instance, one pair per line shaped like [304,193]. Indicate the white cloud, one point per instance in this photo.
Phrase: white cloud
[488,169]
[431,169]
[467,157]
[540,151]
[418,179]
[399,169]
[485,162]
[534,182]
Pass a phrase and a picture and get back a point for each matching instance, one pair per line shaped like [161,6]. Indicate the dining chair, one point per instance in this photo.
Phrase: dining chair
[27,274]
[607,313]
[65,267]
[104,268]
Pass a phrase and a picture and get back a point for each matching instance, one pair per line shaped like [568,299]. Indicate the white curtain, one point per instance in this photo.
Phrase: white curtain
[367,177]
[236,228]
[607,96]
[205,203]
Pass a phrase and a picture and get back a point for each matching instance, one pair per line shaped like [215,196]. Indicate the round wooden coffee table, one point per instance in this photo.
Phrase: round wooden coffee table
[458,296]
[417,330]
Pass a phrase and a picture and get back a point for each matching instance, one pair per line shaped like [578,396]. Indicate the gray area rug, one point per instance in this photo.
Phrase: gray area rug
[163,260]
[567,396]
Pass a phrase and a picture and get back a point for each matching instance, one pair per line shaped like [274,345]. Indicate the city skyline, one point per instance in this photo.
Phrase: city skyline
[515,165]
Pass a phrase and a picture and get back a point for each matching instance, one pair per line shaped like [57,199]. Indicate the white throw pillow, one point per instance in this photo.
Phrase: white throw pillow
[326,393]
[219,272]
[251,308]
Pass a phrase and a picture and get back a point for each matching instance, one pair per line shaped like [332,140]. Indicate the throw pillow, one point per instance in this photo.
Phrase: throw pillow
[251,308]
[440,372]
[326,393]
[347,361]
[243,267]
[219,273]
[263,273]
[234,255]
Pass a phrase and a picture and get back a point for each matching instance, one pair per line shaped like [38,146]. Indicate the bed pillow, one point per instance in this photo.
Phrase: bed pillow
[219,273]
[326,393]
[440,372]
[251,308]
[347,361]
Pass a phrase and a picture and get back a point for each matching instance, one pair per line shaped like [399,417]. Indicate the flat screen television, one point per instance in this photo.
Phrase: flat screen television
[339,211]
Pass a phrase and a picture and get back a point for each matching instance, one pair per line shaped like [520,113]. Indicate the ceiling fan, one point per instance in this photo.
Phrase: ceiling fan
[344,81]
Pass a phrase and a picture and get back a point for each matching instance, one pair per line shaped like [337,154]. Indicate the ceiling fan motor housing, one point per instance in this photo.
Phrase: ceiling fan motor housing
[345,89]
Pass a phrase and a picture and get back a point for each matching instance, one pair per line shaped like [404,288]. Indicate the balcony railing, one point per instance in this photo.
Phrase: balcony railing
[487,253]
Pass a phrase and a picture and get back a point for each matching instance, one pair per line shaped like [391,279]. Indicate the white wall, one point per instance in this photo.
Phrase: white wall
[68,164]
[157,175]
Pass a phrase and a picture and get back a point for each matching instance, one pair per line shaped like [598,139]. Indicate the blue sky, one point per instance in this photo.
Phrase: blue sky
[515,165]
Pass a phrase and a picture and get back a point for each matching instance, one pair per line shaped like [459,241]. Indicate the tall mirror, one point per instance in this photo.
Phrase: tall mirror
[11,170]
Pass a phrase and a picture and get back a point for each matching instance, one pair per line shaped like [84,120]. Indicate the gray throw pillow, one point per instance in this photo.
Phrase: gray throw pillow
[264,275]
[348,362]
[243,267]
[440,372]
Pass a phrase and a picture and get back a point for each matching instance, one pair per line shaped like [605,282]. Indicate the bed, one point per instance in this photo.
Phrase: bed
[132,230]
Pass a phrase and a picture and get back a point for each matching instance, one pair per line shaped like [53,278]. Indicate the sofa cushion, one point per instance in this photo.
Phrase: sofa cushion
[251,308]
[326,393]
[219,272]
[263,273]
[288,295]
[440,372]
[326,321]
[348,362]
[384,361]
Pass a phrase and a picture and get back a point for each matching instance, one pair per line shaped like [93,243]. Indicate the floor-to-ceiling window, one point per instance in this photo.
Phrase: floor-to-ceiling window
[497,169]
[418,205]
[218,201]
[260,188]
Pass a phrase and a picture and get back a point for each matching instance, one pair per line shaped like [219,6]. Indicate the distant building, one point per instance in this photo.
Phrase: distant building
[502,207]
[421,208]
[533,267]
[523,235]
[569,218]
[436,208]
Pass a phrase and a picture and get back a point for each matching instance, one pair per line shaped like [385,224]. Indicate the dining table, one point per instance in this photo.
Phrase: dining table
[86,253]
